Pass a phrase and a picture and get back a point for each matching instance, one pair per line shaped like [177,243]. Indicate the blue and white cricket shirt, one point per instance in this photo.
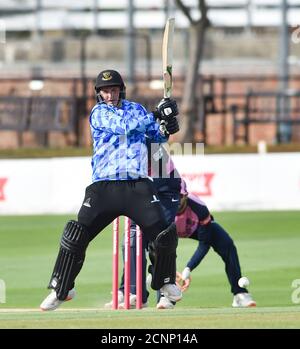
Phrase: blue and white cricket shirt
[119,140]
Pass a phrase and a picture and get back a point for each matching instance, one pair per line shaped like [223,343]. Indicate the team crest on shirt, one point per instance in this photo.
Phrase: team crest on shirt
[106,76]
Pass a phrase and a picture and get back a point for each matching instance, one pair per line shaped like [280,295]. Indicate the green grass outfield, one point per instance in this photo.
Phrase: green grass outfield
[269,249]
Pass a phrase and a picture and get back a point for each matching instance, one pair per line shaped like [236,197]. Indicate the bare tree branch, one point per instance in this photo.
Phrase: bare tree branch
[185,10]
[202,6]
[192,116]
[203,9]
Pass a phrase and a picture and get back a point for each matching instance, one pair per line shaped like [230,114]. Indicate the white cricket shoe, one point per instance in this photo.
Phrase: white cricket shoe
[164,303]
[132,302]
[120,300]
[51,302]
[172,292]
[243,300]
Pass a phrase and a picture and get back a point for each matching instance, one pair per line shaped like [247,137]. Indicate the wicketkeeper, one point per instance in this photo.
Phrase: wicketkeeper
[194,221]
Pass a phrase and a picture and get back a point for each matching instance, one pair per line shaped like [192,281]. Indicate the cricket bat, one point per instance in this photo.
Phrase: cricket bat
[167,56]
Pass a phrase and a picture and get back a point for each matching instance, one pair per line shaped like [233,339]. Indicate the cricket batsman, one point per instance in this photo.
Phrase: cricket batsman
[120,186]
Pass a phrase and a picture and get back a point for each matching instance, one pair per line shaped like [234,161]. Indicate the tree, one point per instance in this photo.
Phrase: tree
[197,29]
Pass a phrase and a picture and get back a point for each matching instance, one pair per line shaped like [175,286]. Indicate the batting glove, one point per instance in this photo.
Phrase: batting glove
[167,108]
[172,126]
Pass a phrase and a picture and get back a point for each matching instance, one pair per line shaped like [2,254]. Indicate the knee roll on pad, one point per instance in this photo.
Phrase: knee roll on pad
[73,244]
[165,243]
[75,237]
[162,253]
[167,239]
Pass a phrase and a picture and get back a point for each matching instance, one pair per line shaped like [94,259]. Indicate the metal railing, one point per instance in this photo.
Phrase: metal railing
[248,100]
[38,114]
[237,102]
[269,107]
